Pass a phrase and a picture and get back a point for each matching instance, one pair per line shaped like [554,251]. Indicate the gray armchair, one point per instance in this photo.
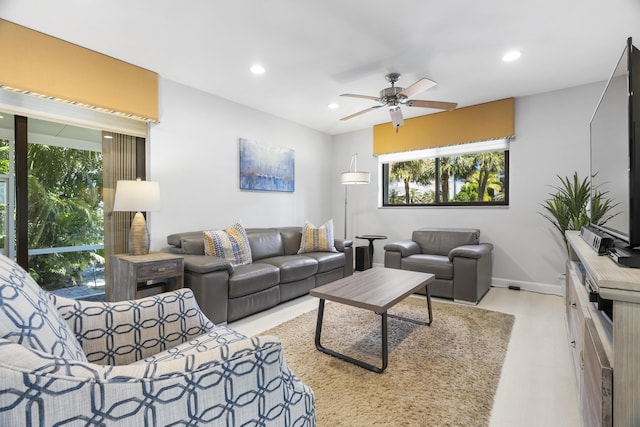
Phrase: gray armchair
[462,265]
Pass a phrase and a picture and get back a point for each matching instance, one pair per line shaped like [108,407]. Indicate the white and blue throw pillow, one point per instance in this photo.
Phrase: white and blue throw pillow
[231,244]
[28,317]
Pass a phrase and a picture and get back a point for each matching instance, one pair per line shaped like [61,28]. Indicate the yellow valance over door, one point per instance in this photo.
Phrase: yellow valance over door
[481,122]
[38,63]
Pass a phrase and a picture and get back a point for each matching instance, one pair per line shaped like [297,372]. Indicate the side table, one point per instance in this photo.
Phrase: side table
[371,238]
[137,276]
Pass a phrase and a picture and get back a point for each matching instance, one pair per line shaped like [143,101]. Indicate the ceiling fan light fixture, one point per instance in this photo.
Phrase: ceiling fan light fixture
[396,116]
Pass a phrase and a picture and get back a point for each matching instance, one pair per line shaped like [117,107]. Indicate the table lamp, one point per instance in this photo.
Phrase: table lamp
[137,196]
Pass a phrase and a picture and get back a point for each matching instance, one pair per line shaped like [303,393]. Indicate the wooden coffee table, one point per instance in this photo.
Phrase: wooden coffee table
[377,289]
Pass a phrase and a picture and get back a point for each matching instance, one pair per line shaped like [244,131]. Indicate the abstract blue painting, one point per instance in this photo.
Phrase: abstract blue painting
[266,167]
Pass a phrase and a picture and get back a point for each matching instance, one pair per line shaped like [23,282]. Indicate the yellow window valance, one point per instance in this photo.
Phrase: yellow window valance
[481,122]
[44,65]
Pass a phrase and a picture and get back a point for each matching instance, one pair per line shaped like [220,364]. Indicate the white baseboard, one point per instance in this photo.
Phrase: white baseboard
[542,288]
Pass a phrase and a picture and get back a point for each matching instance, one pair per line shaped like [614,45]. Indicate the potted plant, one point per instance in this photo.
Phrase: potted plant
[567,207]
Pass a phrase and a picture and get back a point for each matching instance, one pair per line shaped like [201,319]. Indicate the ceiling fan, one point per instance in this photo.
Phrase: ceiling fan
[395,96]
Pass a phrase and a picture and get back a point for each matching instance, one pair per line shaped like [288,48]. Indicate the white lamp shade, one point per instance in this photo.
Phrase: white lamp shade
[356,177]
[137,196]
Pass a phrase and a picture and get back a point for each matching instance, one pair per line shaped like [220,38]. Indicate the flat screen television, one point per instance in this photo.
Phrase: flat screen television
[615,154]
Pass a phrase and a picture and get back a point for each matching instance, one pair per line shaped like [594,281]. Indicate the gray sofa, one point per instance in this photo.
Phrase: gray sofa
[462,265]
[278,273]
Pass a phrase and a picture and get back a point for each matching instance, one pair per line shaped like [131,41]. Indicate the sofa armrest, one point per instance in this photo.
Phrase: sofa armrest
[206,264]
[405,247]
[341,244]
[471,251]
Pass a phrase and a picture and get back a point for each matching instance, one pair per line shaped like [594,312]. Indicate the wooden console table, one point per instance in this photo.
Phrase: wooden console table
[606,354]
[136,276]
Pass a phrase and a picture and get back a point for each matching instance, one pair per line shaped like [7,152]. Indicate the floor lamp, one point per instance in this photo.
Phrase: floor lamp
[352,176]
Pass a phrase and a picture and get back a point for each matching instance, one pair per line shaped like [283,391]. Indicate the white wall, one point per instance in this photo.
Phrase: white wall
[552,138]
[193,155]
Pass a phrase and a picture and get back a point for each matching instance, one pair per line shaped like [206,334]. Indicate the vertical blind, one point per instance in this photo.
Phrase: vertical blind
[482,122]
[118,163]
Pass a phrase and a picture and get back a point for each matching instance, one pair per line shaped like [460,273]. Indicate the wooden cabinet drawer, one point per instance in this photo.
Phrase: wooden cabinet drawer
[575,321]
[159,270]
[597,388]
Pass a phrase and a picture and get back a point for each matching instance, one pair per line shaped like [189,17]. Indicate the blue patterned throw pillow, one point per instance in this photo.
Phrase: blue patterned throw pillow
[28,317]
[231,244]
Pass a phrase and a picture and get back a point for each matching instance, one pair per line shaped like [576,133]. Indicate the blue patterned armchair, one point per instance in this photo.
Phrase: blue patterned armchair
[153,361]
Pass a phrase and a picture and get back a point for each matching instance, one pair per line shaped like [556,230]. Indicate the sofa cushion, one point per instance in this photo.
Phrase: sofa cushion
[175,239]
[29,317]
[327,261]
[439,241]
[293,267]
[251,278]
[317,239]
[193,245]
[291,237]
[230,243]
[435,264]
[265,242]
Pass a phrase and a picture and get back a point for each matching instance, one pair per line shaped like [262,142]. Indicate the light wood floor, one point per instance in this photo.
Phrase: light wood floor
[537,386]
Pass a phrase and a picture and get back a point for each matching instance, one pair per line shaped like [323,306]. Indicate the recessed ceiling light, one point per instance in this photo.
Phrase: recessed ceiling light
[511,56]
[333,105]
[257,69]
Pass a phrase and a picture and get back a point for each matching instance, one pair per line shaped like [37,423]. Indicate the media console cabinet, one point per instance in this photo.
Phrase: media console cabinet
[606,353]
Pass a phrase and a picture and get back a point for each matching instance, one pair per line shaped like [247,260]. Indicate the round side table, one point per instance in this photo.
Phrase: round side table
[371,238]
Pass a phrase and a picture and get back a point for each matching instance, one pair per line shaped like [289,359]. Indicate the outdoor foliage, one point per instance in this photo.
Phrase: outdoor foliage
[480,174]
[65,209]
[417,171]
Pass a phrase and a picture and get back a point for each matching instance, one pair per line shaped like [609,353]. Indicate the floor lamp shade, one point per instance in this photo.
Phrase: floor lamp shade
[349,178]
[137,196]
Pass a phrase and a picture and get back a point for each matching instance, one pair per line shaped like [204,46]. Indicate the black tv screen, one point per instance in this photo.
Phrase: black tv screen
[615,156]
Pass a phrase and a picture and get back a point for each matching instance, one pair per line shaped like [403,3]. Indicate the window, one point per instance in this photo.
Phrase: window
[464,175]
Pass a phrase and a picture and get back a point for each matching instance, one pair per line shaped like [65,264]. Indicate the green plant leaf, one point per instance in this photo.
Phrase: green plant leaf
[566,209]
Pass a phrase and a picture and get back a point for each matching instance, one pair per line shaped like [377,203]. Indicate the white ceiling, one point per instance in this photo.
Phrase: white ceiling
[314,51]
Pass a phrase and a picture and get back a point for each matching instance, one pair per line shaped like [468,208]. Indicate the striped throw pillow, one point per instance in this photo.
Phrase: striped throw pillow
[318,239]
[231,244]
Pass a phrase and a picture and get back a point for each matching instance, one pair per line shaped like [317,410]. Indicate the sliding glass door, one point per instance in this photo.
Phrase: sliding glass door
[7,205]
[52,206]
[65,207]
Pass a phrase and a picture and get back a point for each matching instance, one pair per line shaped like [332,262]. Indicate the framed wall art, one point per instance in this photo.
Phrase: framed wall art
[266,167]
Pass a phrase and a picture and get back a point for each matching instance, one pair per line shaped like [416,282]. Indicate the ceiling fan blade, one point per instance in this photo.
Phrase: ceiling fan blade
[360,112]
[432,104]
[352,95]
[419,86]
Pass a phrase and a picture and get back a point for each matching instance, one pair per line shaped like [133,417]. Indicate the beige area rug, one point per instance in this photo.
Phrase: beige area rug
[442,375]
